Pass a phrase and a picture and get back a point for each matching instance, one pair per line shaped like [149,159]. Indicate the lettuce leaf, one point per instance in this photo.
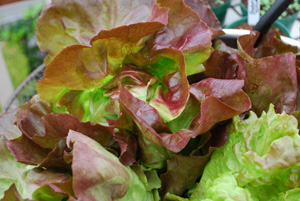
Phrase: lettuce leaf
[109,179]
[270,75]
[259,160]
[263,87]
[156,46]
[155,130]
[59,22]
[206,15]
[20,181]
[43,138]
[185,168]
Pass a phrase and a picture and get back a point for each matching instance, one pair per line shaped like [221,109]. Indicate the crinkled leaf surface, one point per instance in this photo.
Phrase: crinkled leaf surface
[220,100]
[261,154]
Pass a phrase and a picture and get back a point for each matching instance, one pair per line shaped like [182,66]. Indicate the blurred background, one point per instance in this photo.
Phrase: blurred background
[19,54]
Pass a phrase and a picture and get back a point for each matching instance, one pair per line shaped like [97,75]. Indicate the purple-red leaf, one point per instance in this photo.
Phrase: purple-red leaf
[272,80]
[207,16]
[108,178]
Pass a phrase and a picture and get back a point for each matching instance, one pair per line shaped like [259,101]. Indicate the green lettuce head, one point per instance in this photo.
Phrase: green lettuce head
[259,162]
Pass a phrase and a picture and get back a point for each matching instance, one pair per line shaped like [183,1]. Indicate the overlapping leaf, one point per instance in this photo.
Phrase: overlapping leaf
[260,159]
[109,180]
[43,140]
[272,78]
[216,105]
[59,22]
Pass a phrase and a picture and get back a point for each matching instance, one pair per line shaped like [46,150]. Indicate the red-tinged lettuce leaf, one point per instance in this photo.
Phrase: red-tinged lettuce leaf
[171,95]
[57,126]
[224,65]
[220,100]
[111,47]
[192,38]
[183,171]
[55,191]
[167,91]
[65,187]
[77,22]
[8,129]
[272,80]
[34,108]
[47,129]
[221,45]
[55,158]
[24,178]
[136,145]
[272,39]
[207,16]
[129,77]
[89,155]
[270,45]
[184,120]
[128,145]
[126,139]
[43,140]
[88,66]
[12,194]
[34,181]
[109,180]
[26,151]
[152,155]
[150,124]
[298,79]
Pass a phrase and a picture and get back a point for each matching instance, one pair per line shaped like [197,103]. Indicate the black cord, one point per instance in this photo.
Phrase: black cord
[269,18]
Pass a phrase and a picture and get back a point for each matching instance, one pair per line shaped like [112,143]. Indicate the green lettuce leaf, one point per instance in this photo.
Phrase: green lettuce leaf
[260,160]
[10,168]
